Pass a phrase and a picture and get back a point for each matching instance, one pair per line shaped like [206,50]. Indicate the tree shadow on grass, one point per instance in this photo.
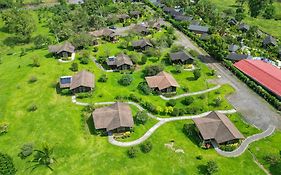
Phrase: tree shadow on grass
[92,130]
[192,134]
[190,79]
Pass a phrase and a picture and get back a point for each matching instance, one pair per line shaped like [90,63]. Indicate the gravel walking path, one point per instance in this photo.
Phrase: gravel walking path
[244,145]
[190,94]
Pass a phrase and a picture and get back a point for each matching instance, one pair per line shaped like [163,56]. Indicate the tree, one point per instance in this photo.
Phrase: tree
[171,103]
[146,147]
[26,150]
[126,80]
[7,166]
[240,2]
[269,11]
[41,41]
[81,41]
[217,102]
[20,23]
[141,117]
[256,7]
[144,88]
[153,70]
[240,14]
[212,167]
[43,158]
[74,67]
[187,100]
[197,74]
[103,78]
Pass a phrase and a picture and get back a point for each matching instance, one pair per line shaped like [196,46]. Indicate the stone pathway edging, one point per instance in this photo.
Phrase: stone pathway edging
[190,94]
[244,145]
[68,61]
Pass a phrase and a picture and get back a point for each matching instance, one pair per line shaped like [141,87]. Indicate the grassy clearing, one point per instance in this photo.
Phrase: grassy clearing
[270,26]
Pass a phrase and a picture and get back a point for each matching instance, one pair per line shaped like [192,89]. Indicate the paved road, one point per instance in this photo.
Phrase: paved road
[244,145]
[190,94]
[255,110]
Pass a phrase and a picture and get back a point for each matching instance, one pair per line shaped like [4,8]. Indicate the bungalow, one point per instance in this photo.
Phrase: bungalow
[106,33]
[216,127]
[142,44]
[269,41]
[81,82]
[237,57]
[162,82]
[181,58]
[171,11]
[142,29]
[123,17]
[135,14]
[115,118]
[198,29]
[121,62]
[183,18]
[233,48]
[244,27]
[64,50]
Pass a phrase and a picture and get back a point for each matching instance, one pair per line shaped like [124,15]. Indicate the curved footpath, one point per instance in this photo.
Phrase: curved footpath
[244,145]
[190,94]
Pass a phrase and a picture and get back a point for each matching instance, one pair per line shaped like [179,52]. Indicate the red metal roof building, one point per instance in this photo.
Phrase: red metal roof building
[265,74]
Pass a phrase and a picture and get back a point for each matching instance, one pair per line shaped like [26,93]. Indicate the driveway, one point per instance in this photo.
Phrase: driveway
[255,109]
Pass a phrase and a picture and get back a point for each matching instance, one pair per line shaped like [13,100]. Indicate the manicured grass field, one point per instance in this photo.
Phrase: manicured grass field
[271,26]
[59,123]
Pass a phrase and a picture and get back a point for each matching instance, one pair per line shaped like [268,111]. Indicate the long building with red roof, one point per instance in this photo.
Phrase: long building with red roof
[265,74]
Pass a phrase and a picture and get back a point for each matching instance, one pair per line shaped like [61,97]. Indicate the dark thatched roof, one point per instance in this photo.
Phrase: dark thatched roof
[269,40]
[83,78]
[113,117]
[103,32]
[65,47]
[141,43]
[181,55]
[217,126]
[120,60]
[233,48]
[236,57]
[198,28]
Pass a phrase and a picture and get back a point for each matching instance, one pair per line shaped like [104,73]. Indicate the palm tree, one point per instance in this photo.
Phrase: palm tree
[43,158]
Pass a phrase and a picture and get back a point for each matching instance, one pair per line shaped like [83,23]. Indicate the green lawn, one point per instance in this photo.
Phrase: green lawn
[271,26]
[59,122]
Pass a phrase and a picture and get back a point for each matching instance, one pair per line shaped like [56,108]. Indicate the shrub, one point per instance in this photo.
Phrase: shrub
[144,88]
[7,166]
[185,89]
[271,159]
[197,74]
[143,60]
[132,152]
[134,98]
[146,147]
[153,70]
[35,62]
[126,80]
[3,128]
[187,100]
[171,103]
[212,167]
[149,106]
[141,117]
[175,112]
[199,157]
[74,67]
[32,108]
[26,150]
[178,69]
[217,102]
[202,96]
[32,79]
[84,60]
[84,95]
[103,78]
